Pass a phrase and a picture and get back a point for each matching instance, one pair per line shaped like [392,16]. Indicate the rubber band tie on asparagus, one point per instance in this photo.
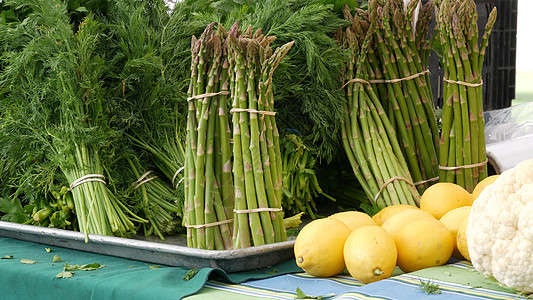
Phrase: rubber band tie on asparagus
[384,185]
[251,110]
[253,210]
[142,179]
[206,95]
[88,178]
[386,80]
[427,180]
[469,84]
[176,175]
[209,224]
[481,164]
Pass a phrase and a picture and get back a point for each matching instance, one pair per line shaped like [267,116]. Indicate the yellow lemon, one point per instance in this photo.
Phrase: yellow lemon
[370,254]
[423,244]
[452,220]
[461,241]
[396,222]
[482,185]
[442,197]
[319,247]
[353,219]
[389,211]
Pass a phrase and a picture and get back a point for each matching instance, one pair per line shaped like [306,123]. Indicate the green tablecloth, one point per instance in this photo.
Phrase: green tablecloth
[129,279]
[119,279]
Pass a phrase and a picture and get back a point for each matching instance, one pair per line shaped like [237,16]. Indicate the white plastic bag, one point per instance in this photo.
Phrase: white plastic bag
[508,123]
[509,136]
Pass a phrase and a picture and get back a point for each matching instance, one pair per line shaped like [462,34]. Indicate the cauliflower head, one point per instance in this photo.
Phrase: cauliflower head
[500,229]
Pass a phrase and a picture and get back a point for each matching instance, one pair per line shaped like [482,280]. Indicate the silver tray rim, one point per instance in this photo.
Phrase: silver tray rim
[235,260]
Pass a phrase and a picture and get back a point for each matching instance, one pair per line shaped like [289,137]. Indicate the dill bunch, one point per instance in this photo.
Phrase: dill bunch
[53,81]
[148,79]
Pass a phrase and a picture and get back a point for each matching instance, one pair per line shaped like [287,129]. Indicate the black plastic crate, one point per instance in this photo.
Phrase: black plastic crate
[499,66]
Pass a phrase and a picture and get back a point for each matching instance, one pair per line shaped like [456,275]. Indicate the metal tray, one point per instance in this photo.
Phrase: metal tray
[172,252]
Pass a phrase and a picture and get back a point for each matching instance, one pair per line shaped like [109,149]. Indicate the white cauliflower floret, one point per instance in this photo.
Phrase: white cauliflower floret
[500,229]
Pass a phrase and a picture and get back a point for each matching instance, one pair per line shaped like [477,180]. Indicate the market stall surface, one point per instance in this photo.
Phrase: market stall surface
[29,271]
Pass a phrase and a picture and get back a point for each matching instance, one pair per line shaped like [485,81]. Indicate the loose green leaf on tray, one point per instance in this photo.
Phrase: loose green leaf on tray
[190,274]
[87,267]
[272,271]
[293,221]
[68,270]
[27,261]
[65,274]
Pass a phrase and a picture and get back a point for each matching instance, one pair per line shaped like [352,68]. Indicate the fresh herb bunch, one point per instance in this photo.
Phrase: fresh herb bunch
[300,183]
[154,200]
[139,70]
[148,80]
[53,82]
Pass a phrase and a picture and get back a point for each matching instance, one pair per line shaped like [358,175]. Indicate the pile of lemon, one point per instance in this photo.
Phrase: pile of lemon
[401,235]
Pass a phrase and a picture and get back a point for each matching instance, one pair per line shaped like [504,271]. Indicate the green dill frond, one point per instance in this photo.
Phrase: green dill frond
[429,287]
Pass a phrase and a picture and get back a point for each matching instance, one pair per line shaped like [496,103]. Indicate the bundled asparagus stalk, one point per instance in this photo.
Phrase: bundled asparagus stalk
[398,59]
[256,148]
[369,139]
[462,155]
[208,178]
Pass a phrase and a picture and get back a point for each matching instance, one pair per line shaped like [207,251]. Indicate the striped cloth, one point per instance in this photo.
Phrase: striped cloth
[457,280]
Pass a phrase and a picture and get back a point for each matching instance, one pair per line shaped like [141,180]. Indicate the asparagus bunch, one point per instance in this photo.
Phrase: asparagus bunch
[368,136]
[399,62]
[208,178]
[462,152]
[256,148]
[300,183]
[247,176]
